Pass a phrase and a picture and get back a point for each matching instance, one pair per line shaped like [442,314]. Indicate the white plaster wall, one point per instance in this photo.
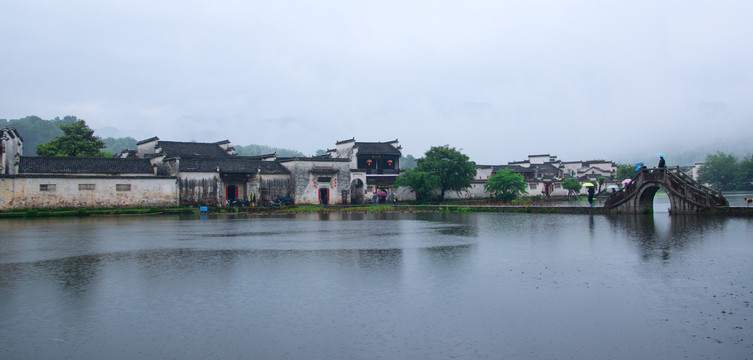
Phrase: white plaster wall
[305,186]
[24,192]
[571,168]
[483,173]
[6,193]
[146,148]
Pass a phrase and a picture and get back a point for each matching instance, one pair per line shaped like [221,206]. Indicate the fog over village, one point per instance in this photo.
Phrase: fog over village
[498,79]
[335,179]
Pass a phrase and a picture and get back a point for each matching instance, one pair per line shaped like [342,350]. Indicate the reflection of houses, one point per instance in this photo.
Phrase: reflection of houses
[374,165]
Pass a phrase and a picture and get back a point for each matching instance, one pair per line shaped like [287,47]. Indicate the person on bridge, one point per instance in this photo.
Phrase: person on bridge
[662,164]
[591,195]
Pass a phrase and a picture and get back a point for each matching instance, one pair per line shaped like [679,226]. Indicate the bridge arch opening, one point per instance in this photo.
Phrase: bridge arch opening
[649,202]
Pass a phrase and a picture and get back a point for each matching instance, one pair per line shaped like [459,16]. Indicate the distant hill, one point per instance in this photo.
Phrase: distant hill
[116,145]
[740,148]
[35,130]
[251,150]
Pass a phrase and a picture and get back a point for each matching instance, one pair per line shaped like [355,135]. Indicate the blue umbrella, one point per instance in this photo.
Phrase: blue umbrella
[640,163]
[638,168]
[660,155]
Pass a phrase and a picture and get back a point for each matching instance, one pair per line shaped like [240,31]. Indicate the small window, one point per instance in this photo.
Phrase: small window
[82,187]
[46,187]
[532,185]
[122,187]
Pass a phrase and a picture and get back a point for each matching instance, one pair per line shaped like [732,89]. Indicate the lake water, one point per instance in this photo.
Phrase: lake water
[377,286]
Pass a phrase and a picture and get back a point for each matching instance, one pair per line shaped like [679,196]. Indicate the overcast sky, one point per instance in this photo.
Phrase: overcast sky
[498,79]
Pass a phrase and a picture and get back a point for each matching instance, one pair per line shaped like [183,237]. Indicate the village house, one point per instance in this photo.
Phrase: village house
[167,173]
[51,182]
[374,166]
[544,173]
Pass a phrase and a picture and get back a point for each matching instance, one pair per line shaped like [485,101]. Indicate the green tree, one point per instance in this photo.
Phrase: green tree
[625,171]
[407,162]
[572,185]
[602,180]
[117,145]
[421,182]
[506,185]
[77,140]
[719,170]
[251,150]
[744,176]
[454,169]
[36,131]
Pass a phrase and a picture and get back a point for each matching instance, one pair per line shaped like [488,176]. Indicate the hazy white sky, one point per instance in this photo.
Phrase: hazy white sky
[498,79]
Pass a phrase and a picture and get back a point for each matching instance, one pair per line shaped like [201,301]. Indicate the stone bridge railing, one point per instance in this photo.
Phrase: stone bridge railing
[673,181]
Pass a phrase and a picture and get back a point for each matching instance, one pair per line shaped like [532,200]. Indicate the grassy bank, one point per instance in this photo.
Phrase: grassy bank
[63,212]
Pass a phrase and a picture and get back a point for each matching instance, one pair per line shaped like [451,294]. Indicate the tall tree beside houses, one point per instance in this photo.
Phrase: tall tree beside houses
[572,186]
[423,183]
[78,140]
[625,171]
[719,170]
[506,185]
[36,130]
[454,169]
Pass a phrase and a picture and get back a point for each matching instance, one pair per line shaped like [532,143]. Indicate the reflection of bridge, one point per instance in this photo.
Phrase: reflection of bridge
[686,196]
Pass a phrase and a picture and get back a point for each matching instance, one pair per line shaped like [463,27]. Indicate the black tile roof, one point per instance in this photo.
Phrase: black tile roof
[84,165]
[231,164]
[175,148]
[376,148]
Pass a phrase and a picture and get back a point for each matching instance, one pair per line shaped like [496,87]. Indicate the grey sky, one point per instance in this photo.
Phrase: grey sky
[497,79]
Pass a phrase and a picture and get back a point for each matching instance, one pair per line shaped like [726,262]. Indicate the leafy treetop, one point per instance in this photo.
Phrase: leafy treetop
[78,140]
[454,169]
[506,185]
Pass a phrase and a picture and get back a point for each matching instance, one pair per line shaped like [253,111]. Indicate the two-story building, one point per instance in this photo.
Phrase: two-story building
[374,166]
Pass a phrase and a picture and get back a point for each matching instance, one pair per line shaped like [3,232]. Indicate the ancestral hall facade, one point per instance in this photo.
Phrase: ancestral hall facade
[374,166]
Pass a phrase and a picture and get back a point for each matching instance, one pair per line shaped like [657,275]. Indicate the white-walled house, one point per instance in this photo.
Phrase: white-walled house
[374,166]
[167,173]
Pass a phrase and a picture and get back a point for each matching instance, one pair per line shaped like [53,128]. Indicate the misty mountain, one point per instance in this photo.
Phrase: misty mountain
[685,156]
[35,130]
[251,150]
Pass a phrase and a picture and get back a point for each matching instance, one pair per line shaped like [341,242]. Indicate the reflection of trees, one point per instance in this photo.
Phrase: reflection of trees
[379,258]
[74,274]
[641,228]
[449,254]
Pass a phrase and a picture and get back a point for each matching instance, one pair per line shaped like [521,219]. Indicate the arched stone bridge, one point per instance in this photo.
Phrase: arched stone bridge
[686,196]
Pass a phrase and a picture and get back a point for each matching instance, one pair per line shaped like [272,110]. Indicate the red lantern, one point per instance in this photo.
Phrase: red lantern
[368,162]
[389,162]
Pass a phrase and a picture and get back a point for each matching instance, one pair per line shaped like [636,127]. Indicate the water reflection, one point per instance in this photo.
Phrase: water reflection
[659,235]
[397,286]
[75,274]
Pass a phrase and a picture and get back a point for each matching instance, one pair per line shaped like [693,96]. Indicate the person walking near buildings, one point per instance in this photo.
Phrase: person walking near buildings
[591,192]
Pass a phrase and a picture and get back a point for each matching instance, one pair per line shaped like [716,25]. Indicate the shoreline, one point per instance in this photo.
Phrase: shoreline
[455,208]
